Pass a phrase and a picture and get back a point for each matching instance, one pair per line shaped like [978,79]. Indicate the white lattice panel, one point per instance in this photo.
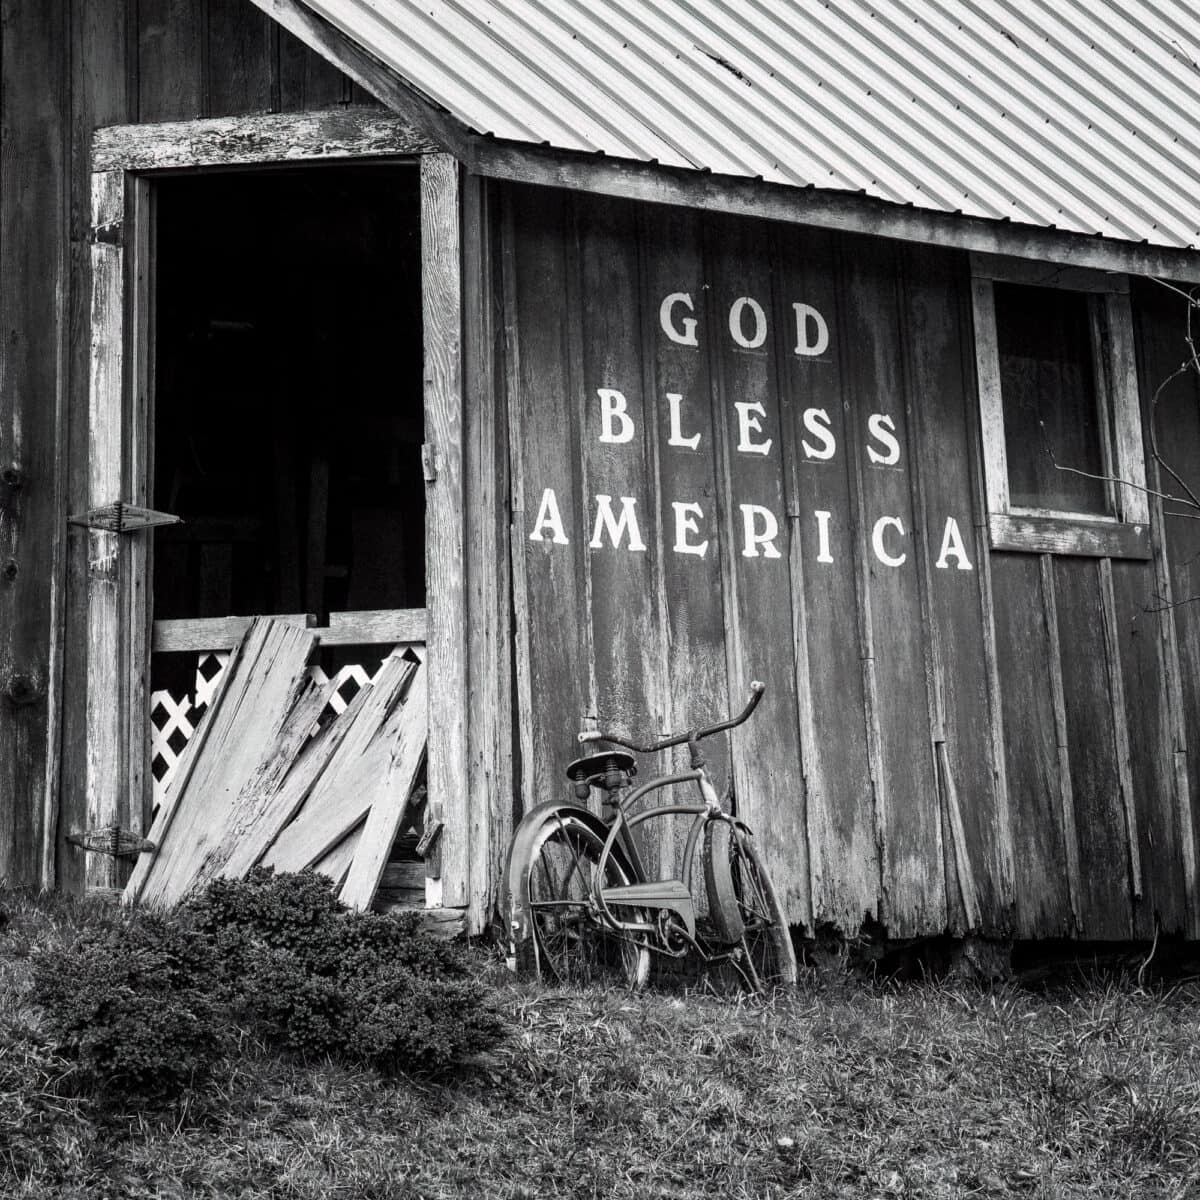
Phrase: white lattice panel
[173,718]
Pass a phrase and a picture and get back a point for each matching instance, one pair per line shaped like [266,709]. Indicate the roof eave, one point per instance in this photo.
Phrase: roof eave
[828,208]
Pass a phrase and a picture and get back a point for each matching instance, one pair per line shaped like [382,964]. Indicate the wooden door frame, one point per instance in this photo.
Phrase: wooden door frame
[126,160]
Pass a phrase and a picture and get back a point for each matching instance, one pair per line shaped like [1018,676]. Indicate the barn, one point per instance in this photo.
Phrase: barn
[618,354]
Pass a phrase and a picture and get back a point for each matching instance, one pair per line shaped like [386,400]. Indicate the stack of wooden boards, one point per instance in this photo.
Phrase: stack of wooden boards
[263,781]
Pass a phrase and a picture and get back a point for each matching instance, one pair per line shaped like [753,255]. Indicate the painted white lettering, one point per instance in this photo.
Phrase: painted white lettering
[686,523]
[823,555]
[613,408]
[888,560]
[808,318]
[816,421]
[882,428]
[759,335]
[761,529]
[750,414]
[548,517]
[687,335]
[616,527]
[674,399]
[953,546]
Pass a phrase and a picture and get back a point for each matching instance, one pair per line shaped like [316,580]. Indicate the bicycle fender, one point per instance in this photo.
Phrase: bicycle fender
[515,902]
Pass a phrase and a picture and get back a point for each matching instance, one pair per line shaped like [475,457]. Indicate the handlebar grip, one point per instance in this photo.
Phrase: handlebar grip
[757,686]
[591,735]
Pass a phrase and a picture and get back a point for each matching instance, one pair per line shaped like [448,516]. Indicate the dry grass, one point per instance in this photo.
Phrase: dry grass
[842,1090]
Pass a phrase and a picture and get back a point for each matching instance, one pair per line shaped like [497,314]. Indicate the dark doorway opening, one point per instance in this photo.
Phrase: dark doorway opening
[288,414]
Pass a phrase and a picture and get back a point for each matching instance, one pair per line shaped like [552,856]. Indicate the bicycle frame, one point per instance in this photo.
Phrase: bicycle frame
[673,895]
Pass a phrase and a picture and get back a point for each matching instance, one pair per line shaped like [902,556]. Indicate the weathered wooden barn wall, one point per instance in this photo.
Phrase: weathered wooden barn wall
[67,67]
[950,737]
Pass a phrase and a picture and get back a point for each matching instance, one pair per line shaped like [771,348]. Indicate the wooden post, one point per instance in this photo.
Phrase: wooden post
[441,296]
[118,454]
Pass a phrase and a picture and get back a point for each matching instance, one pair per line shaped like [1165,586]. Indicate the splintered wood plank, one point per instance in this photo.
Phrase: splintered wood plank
[278,800]
[336,864]
[250,729]
[356,773]
[390,801]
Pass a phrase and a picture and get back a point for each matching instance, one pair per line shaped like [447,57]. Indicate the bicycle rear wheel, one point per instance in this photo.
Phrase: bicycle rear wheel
[569,943]
[745,910]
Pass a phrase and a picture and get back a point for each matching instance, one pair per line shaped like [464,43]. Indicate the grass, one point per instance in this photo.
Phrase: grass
[844,1089]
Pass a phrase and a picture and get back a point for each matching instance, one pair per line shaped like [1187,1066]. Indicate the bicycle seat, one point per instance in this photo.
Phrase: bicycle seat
[602,762]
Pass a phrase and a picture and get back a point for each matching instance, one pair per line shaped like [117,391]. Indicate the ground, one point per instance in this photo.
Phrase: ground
[1090,1087]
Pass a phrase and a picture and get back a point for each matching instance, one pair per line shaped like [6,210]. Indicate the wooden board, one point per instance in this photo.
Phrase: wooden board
[896,631]
[336,863]
[1104,859]
[445,522]
[843,847]
[1026,659]
[356,774]
[250,726]
[489,586]
[941,393]
[172,60]
[98,97]
[755,557]
[1172,414]
[33,189]
[240,59]
[555,683]
[391,797]
[690,610]
[620,570]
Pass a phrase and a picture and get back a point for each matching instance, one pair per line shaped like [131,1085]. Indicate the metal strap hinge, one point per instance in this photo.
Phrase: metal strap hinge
[111,840]
[120,517]
[111,233]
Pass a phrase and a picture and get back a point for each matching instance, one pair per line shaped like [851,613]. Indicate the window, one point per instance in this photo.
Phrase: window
[1062,438]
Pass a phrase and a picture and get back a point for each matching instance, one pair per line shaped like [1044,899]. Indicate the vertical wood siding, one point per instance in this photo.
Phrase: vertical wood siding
[33,198]
[67,67]
[949,739]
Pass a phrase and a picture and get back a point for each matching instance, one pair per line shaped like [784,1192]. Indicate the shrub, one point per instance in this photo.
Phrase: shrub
[320,980]
[142,1003]
[132,1003]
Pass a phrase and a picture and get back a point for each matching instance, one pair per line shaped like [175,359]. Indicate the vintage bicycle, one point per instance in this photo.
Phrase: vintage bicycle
[582,907]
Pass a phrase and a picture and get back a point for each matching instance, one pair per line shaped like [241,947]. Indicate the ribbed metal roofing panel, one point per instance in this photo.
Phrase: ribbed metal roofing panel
[1068,114]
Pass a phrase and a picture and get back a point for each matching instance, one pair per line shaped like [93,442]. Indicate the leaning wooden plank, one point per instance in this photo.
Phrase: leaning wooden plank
[336,864]
[344,792]
[165,816]
[255,816]
[278,800]
[248,727]
[391,801]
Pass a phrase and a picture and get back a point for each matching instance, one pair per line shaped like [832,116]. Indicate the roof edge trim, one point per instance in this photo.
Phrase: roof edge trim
[849,212]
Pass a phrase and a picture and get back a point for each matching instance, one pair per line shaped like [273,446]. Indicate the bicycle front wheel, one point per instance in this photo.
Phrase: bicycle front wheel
[745,910]
[570,944]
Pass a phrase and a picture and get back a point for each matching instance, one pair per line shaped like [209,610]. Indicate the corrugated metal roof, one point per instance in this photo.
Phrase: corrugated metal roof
[1068,114]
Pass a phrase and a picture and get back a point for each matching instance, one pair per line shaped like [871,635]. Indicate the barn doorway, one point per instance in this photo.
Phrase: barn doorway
[287,422]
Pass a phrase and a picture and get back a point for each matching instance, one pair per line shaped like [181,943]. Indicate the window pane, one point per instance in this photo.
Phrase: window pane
[1048,389]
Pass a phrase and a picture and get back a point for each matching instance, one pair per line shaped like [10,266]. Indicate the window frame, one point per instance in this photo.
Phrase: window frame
[1126,534]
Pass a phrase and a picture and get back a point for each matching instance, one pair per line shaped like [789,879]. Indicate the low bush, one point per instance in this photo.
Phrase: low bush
[131,1003]
[321,980]
[145,1003]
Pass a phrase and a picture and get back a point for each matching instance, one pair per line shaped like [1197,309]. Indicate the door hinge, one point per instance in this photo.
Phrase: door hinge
[111,233]
[120,517]
[111,840]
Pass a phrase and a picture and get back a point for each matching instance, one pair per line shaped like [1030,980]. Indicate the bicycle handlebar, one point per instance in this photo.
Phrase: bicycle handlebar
[692,735]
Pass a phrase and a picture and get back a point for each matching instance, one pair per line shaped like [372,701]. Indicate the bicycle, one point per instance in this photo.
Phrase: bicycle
[582,907]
